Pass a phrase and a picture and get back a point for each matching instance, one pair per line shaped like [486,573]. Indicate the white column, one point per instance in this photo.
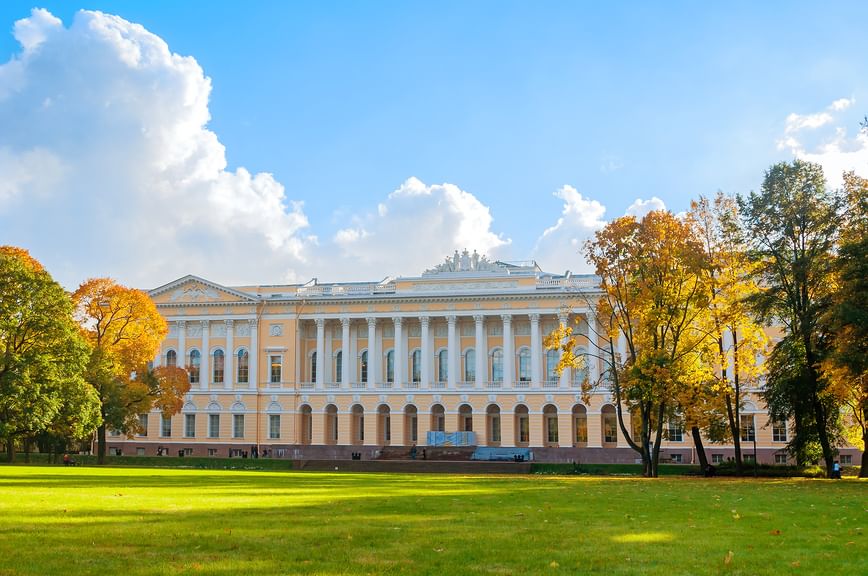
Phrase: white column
[205,371]
[328,360]
[228,375]
[567,373]
[508,351]
[535,351]
[405,347]
[593,350]
[346,358]
[452,352]
[320,352]
[373,359]
[352,359]
[400,360]
[481,352]
[253,358]
[426,351]
[181,360]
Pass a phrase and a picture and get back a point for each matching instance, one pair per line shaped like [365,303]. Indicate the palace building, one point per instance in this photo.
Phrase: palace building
[455,355]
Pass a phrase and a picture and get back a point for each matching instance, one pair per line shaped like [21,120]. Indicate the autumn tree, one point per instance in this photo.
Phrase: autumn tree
[791,226]
[124,331]
[737,341]
[651,275]
[43,355]
[846,322]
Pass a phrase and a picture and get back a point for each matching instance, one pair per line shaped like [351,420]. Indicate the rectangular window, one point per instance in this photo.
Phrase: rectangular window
[143,424]
[212,451]
[717,458]
[610,429]
[495,428]
[749,458]
[213,425]
[780,458]
[779,431]
[676,431]
[140,451]
[581,429]
[552,426]
[676,458]
[166,427]
[238,425]
[748,433]
[190,425]
[276,369]
[523,429]
[846,459]
[274,426]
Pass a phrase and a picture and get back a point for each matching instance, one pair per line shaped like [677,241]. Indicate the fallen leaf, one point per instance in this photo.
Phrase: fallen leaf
[775,532]
[727,560]
[554,564]
[795,564]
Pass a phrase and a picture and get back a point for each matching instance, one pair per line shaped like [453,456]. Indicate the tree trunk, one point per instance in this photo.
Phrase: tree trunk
[100,444]
[863,470]
[655,460]
[700,449]
[735,431]
[10,449]
[27,450]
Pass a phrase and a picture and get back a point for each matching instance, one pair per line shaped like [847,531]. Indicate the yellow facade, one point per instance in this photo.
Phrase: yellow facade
[320,370]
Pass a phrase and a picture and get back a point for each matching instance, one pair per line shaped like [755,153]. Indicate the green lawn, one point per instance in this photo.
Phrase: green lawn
[129,521]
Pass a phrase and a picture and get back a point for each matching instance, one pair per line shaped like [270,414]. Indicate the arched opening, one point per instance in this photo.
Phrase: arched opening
[411,425]
[609,421]
[305,425]
[524,365]
[465,418]
[358,424]
[331,424]
[438,418]
[551,375]
[339,366]
[522,426]
[492,413]
[550,425]
[171,358]
[384,425]
[580,375]
[580,426]
[390,366]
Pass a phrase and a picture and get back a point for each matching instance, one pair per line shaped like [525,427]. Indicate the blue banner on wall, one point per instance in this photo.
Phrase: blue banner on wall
[451,439]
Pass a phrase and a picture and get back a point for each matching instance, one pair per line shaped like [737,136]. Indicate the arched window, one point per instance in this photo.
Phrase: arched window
[339,366]
[313,367]
[243,368]
[497,366]
[443,366]
[364,370]
[218,366]
[195,361]
[470,365]
[390,366]
[417,366]
[551,366]
[171,358]
[524,365]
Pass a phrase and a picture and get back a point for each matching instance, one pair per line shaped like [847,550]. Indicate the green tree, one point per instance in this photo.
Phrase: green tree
[792,226]
[846,323]
[43,355]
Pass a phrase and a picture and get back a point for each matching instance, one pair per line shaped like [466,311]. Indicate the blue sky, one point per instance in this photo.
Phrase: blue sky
[343,102]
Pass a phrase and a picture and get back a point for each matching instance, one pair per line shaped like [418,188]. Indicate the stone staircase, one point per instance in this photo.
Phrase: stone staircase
[413,466]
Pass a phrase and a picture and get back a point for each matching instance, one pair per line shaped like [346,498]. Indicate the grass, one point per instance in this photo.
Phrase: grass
[131,521]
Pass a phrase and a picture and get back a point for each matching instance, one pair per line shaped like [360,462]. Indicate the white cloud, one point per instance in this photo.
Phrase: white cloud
[832,148]
[561,246]
[416,227]
[109,167]
[639,208]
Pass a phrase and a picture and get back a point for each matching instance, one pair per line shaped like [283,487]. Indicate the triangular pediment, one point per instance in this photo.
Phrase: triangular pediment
[194,290]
